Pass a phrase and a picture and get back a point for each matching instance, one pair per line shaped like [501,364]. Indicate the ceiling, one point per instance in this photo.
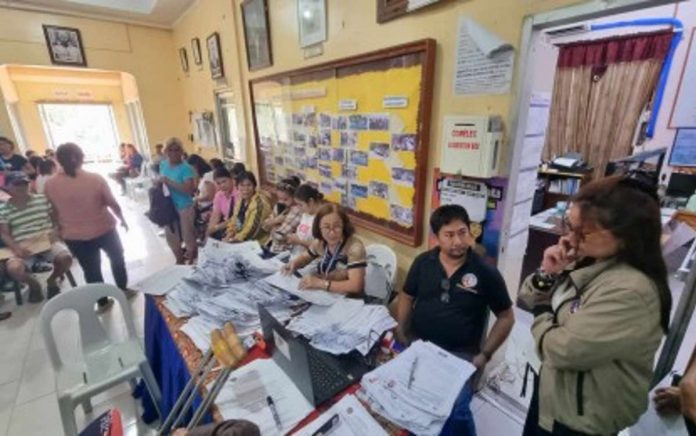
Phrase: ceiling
[160,13]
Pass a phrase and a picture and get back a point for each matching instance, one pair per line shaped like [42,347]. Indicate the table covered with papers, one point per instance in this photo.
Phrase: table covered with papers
[227,286]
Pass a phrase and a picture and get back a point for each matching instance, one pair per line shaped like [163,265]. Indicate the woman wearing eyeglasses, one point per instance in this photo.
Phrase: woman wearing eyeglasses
[341,255]
[601,304]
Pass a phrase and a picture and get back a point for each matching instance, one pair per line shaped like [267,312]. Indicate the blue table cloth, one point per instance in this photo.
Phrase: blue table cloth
[167,364]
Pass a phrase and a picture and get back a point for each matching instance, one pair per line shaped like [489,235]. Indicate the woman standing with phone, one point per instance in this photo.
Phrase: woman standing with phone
[601,303]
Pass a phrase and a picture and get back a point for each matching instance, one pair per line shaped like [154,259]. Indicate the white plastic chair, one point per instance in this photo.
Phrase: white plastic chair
[104,363]
[380,275]
[141,183]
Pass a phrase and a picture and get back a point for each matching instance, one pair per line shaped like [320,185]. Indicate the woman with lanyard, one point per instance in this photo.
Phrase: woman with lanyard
[341,255]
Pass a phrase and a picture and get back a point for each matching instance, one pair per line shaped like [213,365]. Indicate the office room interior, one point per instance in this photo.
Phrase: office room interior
[361,217]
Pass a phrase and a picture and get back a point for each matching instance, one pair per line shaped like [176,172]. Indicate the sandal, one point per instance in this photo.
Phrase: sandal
[5,315]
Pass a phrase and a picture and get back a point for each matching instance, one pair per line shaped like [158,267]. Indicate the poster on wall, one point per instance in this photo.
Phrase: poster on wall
[483,63]
[482,198]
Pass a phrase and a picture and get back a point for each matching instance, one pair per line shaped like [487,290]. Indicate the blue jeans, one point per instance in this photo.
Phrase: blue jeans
[461,420]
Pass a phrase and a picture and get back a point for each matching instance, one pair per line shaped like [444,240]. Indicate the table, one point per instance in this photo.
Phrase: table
[173,357]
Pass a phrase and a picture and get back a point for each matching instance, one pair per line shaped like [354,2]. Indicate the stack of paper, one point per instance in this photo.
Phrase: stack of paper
[184,298]
[291,284]
[345,326]
[418,388]
[246,393]
[163,281]
[346,418]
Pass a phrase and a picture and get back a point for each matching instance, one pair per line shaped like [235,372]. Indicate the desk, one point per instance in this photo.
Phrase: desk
[173,356]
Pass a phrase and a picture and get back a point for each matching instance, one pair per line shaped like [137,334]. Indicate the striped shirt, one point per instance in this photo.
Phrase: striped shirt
[33,219]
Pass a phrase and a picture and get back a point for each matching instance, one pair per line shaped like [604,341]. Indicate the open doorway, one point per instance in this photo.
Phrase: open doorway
[537,187]
[92,126]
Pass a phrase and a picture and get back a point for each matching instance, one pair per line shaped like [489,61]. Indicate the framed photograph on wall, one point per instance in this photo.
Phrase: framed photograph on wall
[311,18]
[196,51]
[257,35]
[65,46]
[183,58]
[215,56]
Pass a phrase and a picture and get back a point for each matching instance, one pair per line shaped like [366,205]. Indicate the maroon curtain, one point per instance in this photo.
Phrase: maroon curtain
[613,50]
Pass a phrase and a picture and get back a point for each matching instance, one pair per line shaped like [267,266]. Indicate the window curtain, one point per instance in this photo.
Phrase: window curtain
[600,90]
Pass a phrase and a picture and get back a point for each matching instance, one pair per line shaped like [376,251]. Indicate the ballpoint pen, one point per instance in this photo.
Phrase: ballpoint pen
[412,372]
[274,411]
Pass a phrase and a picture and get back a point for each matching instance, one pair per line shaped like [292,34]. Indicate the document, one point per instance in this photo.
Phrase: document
[417,389]
[163,281]
[346,418]
[291,284]
[245,395]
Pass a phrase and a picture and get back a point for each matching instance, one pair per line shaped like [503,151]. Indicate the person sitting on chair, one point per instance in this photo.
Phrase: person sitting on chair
[27,228]
[284,219]
[342,257]
[133,160]
[250,211]
[223,203]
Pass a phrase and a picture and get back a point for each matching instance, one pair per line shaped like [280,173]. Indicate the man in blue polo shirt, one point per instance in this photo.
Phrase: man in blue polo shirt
[446,298]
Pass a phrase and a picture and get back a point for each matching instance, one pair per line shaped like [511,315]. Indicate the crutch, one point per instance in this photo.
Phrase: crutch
[198,378]
[229,351]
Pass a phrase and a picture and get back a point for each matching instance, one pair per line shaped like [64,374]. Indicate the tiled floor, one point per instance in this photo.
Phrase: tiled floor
[28,404]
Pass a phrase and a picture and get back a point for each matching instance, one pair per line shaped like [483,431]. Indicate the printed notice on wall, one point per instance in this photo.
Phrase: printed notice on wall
[483,62]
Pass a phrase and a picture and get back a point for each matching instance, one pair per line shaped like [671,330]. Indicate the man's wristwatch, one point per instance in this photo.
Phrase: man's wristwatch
[542,280]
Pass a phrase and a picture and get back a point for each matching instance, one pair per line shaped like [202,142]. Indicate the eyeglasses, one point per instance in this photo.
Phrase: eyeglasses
[445,288]
[582,236]
[336,228]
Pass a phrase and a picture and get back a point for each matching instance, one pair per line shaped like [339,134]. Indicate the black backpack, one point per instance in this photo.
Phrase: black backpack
[162,211]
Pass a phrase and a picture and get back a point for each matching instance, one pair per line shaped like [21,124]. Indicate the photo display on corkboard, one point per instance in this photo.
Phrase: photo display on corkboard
[357,129]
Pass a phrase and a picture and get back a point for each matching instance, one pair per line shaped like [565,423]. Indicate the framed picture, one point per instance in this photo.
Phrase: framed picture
[215,56]
[183,58]
[311,17]
[257,35]
[65,45]
[196,51]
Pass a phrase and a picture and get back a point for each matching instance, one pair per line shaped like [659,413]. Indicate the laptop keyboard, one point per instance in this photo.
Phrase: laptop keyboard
[326,379]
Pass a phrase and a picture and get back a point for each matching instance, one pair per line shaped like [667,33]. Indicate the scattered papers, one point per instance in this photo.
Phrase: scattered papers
[163,281]
[350,418]
[359,332]
[651,423]
[291,284]
[245,396]
[438,378]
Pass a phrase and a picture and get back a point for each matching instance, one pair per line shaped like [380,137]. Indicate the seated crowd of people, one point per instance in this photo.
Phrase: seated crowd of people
[600,298]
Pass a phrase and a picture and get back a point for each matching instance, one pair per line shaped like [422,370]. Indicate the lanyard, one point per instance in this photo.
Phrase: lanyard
[332,261]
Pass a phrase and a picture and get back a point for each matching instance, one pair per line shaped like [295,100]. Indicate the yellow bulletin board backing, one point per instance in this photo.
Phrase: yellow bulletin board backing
[357,129]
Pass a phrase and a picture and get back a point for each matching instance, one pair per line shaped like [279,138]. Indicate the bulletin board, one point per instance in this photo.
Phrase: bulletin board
[357,129]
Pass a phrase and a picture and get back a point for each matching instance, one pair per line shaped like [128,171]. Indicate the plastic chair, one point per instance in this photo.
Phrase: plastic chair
[141,183]
[104,364]
[380,275]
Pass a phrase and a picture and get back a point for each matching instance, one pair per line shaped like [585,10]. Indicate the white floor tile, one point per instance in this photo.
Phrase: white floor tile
[8,392]
[38,417]
[38,379]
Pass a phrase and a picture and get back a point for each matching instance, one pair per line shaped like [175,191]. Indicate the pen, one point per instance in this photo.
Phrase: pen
[329,425]
[274,411]
[412,372]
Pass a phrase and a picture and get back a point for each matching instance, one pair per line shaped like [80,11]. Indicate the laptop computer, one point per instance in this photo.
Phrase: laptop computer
[317,374]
